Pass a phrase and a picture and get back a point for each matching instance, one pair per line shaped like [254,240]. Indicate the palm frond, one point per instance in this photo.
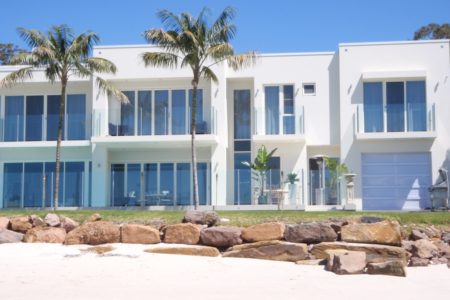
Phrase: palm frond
[170,21]
[222,30]
[207,73]
[164,39]
[160,59]
[242,60]
[220,51]
[109,88]
[100,65]
[33,38]
[17,76]
[83,44]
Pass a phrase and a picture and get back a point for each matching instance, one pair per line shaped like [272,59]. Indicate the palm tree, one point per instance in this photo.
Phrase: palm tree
[61,55]
[186,41]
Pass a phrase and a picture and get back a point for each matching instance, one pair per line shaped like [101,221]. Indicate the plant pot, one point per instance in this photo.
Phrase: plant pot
[292,193]
[262,199]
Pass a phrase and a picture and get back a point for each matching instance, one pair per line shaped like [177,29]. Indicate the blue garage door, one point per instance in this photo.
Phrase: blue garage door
[396,181]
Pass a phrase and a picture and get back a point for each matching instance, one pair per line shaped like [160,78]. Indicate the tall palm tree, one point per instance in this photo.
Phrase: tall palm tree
[186,41]
[61,55]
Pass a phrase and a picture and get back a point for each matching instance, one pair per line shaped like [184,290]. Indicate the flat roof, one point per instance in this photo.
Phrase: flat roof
[394,43]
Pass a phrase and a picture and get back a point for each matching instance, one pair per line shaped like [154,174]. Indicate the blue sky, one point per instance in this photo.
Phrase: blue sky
[264,25]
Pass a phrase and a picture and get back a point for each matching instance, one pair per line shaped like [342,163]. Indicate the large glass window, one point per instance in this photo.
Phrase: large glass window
[288,110]
[416,106]
[161,112]
[117,184]
[144,112]
[53,117]
[33,179]
[184,183]
[373,107]
[151,183]
[242,179]
[127,115]
[273,180]
[166,183]
[242,114]
[179,112]
[34,118]
[50,171]
[395,106]
[76,117]
[74,187]
[272,102]
[202,176]
[12,185]
[133,184]
[14,108]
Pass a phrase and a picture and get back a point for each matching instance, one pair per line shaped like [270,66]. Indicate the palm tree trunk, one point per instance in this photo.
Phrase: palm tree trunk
[62,103]
[194,157]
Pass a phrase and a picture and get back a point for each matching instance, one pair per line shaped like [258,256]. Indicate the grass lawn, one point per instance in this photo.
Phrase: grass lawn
[243,218]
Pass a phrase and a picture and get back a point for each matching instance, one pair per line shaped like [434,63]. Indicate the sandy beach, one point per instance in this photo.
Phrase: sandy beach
[53,271]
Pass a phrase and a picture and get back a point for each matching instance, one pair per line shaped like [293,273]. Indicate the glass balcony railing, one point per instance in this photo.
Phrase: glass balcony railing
[145,124]
[279,124]
[44,128]
[414,117]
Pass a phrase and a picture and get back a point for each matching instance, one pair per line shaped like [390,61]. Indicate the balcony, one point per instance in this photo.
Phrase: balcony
[393,122]
[115,127]
[288,128]
[41,130]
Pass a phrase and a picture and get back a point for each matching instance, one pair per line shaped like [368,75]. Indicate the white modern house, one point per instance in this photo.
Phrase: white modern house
[383,109]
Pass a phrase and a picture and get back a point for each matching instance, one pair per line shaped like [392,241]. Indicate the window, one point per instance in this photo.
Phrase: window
[127,115]
[76,117]
[309,89]
[395,106]
[279,101]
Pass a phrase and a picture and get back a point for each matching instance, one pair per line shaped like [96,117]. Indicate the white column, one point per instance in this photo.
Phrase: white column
[100,176]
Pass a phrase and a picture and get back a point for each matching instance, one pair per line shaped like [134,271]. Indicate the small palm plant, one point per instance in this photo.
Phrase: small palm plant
[336,171]
[292,178]
[61,55]
[192,42]
[260,167]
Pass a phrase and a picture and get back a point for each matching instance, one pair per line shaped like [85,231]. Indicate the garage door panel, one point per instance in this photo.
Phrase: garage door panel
[395,181]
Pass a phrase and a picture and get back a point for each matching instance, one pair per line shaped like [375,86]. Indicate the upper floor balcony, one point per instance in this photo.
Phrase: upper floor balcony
[395,110]
[34,119]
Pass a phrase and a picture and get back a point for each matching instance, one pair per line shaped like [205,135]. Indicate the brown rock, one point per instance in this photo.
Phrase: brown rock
[310,233]
[424,249]
[407,245]
[264,232]
[37,221]
[182,234]
[45,235]
[209,218]
[271,250]
[21,224]
[186,250]
[52,220]
[221,237]
[418,262]
[311,262]
[68,224]
[374,253]
[9,236]
[94,233]
[94,218]
[156,223]
[4,223]
[417,235]
[439,260]
[346,262]
[393,267]
[446,237]
[139,234]
[385,232]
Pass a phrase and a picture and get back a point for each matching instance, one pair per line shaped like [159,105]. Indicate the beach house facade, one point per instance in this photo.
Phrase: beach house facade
[382,109]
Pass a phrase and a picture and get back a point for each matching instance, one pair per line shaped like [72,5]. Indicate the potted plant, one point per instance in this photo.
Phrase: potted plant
[260,166]
[292,179]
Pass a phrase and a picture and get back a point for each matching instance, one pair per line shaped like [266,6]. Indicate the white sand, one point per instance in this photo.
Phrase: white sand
[46,271]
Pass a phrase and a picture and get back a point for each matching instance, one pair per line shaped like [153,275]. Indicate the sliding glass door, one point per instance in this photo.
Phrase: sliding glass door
[144,112]
[53,117]
[14,117]
[184,183]
[272,115]
[12,185]
[416,105]
[76,117]
[288,110]
[179,112]
[373,107]
[161,112]
[33,179]
[34,118]
[395,106]
[127,115]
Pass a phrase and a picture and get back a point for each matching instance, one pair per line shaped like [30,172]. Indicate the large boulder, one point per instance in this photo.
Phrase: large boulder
[443,248]
[45,235]
[21,224]
[94,218]
[52,220]
[4,223]
[9,236]
[186,250]
[417,235]
[419,262]
[37,221]
[209,218]
[68,224]
[392,267]
[221,237]
[346,262]
[271,250]
[385,232]
[186,233]
[374,253]
[139,234]
[446,237]
[424,249]
[264,232]
[310,233]
[94,233]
